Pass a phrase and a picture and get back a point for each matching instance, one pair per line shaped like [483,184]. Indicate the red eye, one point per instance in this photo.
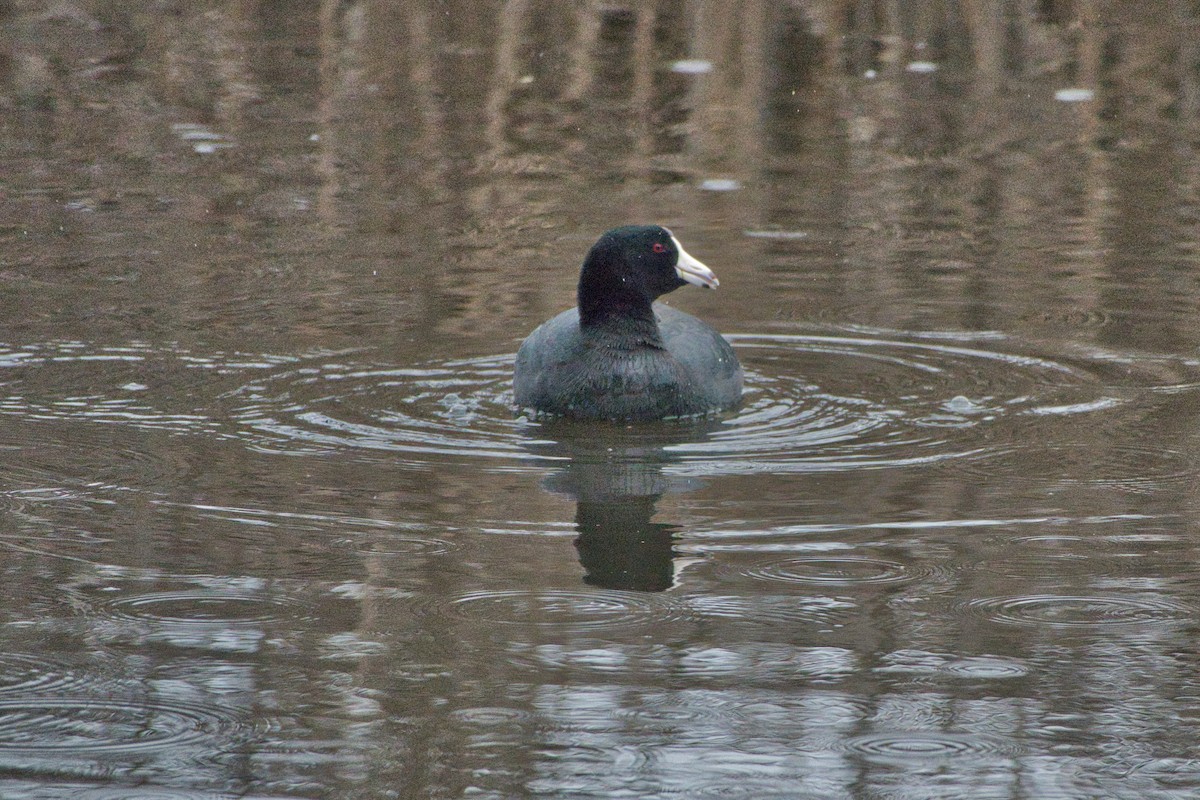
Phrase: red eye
[659,247]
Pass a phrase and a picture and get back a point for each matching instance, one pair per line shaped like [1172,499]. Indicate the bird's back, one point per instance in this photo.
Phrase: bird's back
[562,370]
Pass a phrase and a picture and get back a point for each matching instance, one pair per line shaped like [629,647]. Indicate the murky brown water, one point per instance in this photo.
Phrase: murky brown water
[271,529]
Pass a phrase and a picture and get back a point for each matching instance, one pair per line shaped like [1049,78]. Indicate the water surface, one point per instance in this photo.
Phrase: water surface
[271,527]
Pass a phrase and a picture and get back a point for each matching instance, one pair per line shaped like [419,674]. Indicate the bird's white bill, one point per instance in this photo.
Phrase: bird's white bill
[693,270]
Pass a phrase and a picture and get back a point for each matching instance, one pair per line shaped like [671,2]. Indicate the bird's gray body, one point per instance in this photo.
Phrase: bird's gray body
[684,368]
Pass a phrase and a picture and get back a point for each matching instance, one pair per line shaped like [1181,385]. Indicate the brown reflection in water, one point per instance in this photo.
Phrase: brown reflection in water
[423,178]
[468,149]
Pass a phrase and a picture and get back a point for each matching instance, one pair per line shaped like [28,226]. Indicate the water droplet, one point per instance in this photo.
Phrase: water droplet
[839,570]
[692,66]
[772,234]
[1074,95]
[1080,611]
[963,405]
[720,185]
[919,745]
[563,609]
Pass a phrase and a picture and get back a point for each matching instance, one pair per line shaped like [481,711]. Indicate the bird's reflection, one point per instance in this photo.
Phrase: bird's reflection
[616,474]
[620,547]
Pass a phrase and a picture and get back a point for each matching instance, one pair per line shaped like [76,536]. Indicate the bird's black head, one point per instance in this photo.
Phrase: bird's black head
[628,268]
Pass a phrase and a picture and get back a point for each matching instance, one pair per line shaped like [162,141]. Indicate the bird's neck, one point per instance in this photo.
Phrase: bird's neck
[621,327]
[608,301]
[622,332]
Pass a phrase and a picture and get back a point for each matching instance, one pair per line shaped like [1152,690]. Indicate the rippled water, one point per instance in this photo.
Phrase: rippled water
[272,528]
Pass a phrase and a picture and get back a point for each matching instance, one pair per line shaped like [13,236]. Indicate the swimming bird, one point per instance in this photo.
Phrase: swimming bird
[619,354]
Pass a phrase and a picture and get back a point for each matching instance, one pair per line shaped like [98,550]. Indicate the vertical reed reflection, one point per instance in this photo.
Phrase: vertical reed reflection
[924,144]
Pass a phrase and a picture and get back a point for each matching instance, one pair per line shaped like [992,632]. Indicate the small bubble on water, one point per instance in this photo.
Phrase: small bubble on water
[1074,95]
[774,234]
[720,185]
[205,148]
[692,66]
[963,405]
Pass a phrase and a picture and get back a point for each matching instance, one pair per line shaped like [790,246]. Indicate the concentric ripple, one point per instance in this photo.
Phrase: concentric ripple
[61,790]
[837,400]
[491,716]
[206,612]
[200,607]
[812,403]
[1144,554]
[920,662]
[73,464]
[1071,318]
[562,609]
[681,710]
[1125,466]
[402,545]
[23,674]
[831,570]
[143,793]
[764,662]
[454,408]
[985,668]
[350,534]
[920,745]
[136,385]
[190,600]
[71,726]
[841,402]
[770,611]
[753,787]
[1081,611]
[815,402]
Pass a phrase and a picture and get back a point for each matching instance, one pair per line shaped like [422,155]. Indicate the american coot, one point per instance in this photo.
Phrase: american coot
[620,355]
